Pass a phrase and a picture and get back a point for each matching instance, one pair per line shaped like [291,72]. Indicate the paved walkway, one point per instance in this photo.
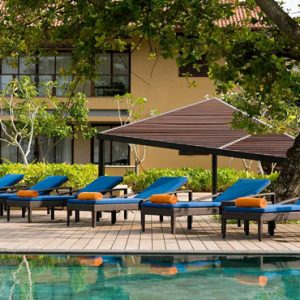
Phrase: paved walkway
[125,236]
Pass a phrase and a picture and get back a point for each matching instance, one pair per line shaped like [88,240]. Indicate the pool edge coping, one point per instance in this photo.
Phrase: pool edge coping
[141,252]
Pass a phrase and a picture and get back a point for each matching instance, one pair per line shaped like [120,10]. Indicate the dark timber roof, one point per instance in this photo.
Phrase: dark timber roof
[202,128]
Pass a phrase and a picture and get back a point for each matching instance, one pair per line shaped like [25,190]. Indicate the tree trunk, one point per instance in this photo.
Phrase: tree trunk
[288,183]
[284,22]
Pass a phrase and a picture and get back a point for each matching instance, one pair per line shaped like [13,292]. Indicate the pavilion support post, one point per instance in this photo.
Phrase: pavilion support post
[101,158]
[214,172]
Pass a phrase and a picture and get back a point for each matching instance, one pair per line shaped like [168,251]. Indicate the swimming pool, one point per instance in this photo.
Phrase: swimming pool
[148,277]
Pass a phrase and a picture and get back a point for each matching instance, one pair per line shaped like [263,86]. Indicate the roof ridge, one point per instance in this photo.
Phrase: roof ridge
[235,141]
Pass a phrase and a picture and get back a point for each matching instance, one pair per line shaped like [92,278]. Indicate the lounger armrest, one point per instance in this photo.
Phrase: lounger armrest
[228,203]
[206,197]
[292,200]
[69,192]
[50,190]
[13,189]
[4,188]
[182,191]
[189,192]
[125,190]
[130,194]
[271,195]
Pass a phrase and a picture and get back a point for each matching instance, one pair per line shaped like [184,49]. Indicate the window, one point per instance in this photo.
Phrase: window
[112,69]
[49,150]
[53,150]
[115,153]
[191,71]
[12,154]
[113,74]
[40,70]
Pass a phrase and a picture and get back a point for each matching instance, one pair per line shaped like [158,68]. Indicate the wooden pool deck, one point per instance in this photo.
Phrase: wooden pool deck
[125,236]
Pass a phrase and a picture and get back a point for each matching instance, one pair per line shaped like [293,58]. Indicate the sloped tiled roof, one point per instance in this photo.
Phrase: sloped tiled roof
[204,127]
[241,17]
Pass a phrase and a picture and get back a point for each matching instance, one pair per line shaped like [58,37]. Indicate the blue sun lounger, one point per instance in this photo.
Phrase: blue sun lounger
[163,185]
[242,188]
[7,182]
[283,211]
[44,187]
[101,184]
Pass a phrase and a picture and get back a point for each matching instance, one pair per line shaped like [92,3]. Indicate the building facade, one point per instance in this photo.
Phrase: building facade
[160,81]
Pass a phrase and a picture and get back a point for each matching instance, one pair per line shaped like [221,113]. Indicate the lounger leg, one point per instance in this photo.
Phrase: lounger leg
[52,213]
[23,212]
[69,213]
[29,214]
[99,215]
[224,221]
[125,214]
[143,221]
[239,223]
[93,219]
[161,219]
[77,216]
[173,224]
[271,227]
[48,210]
[190,221]
[246,227]
[1,209]
[260,229]
[8,213]
[113,217]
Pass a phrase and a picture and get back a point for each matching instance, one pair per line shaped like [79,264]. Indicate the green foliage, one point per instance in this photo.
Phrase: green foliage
[199,180]
[133,104]
[79,175]
[29,117]
[257,70]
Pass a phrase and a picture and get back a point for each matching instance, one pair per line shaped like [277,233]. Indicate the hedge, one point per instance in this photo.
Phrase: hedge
[80,175]
[199,180]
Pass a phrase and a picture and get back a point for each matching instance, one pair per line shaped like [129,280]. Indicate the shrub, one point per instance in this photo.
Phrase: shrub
[79,175]
[199,180]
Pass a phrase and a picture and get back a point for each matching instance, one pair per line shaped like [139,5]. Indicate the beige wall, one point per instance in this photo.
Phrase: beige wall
[159,82]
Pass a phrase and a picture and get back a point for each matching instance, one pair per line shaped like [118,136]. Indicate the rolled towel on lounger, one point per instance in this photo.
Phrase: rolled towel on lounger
[251,202]
[28,193]
[252,280]
[163,199]
[90,196]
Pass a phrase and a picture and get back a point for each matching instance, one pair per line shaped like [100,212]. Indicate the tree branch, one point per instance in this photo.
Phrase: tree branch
[283,21]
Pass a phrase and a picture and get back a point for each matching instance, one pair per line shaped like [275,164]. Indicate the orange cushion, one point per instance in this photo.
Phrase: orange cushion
[251,202]
[90,196]
[28,193]
[163,270]
[90,262]
[252,280]
[163,199]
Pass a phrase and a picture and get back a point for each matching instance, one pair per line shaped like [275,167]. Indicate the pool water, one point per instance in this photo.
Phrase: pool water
[148,277]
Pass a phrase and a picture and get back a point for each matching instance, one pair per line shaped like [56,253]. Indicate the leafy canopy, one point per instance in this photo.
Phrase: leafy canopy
[256,70]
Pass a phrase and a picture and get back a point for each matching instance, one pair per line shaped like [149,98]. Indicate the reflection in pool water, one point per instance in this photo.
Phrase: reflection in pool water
[148,277]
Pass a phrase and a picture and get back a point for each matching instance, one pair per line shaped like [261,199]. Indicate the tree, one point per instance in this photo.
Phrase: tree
[134,106]
[254,63]
[25,118]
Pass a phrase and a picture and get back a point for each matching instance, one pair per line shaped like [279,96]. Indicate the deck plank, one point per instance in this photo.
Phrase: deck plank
[205,236]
